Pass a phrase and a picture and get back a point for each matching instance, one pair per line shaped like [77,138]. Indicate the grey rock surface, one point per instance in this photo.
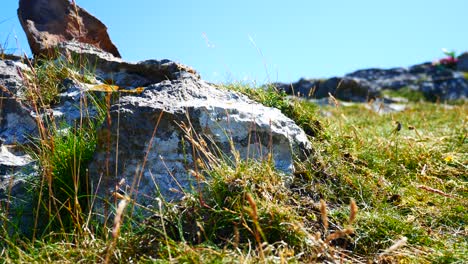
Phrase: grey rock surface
[10,76]
[18,172]
[17,125]
[16,122]
[219,117]
[114,70]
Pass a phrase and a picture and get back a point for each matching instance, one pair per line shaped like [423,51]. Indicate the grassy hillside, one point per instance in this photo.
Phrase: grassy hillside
[378,188]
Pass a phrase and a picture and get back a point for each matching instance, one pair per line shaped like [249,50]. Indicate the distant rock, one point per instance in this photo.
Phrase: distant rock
[343,88]
[379,79]
[434,81]
[347,89]
[302,88]
[47,23]
[462,64]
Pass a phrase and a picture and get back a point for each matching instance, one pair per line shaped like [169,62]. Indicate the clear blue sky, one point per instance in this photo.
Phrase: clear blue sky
[273,40]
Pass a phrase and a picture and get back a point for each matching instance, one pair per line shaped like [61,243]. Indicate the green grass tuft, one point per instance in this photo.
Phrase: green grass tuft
[45,82]
[302,112]
[407,93]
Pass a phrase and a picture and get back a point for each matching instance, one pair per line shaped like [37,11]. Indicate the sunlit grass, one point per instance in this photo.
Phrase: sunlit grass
[404,174]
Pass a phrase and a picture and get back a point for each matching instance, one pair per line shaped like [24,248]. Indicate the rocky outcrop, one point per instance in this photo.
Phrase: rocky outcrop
[164,122]
[226,121]
[150,94]
[433,81]
[175,97]
[47,23]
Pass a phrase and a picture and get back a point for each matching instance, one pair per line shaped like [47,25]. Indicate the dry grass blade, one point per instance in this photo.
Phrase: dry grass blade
[77,17]
[164,228]
[7,91]
[353,211]
[339,234]
[253,213]
[436,191]
[400,243]
[334,100]
[324,214]
[119,217]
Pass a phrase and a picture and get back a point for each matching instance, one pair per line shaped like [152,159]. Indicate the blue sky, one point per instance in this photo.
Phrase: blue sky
[273,40]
